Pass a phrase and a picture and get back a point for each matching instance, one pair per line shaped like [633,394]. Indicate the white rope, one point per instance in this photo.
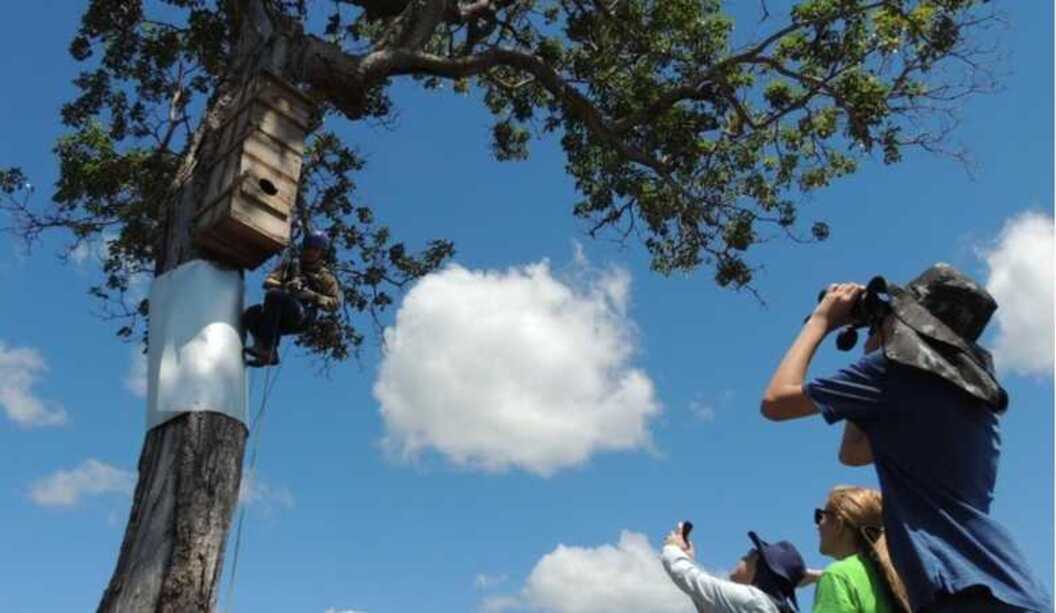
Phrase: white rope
[256,426]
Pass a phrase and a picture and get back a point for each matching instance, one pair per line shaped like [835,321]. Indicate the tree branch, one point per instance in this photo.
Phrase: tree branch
[423,24]
[344,79]
[575,103]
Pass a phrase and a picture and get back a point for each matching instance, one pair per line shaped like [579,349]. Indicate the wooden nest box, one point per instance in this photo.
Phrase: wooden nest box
[244,218]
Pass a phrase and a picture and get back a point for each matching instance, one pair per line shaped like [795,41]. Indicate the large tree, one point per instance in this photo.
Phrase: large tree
[674,135]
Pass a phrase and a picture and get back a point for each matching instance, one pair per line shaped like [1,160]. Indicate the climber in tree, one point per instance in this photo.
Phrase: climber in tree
[296,290]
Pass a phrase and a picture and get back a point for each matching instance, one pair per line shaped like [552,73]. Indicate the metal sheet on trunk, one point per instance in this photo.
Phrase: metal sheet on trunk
[195,358]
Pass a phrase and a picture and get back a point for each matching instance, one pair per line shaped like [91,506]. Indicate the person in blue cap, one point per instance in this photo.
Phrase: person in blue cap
[296,290]
[764,580]
[923,406]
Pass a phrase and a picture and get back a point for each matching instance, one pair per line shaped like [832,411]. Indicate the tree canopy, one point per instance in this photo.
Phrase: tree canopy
[674,135]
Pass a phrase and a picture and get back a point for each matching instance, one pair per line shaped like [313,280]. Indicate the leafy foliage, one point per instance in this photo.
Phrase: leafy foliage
[696,146]
[369,263]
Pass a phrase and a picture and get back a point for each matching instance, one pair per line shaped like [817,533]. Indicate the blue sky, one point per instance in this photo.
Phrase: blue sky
[619,402]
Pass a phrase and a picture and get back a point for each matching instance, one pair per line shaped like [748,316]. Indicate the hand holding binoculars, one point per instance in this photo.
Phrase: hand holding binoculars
[868,311]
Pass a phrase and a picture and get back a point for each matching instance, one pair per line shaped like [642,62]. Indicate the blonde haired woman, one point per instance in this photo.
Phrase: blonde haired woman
[862,579]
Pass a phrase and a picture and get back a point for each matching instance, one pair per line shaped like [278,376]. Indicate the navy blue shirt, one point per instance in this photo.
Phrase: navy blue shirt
[936,451]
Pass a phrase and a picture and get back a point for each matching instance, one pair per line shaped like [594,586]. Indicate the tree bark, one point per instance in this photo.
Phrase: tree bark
[172,554]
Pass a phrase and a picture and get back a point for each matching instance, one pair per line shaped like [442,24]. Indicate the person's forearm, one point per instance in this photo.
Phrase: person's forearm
[793,367]
[784,397]
[683,572]
[709,593]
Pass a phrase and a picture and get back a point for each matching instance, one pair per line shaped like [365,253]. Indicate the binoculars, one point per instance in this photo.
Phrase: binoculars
[868,311]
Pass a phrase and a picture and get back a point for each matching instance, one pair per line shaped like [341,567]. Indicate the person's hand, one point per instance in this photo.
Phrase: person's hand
[294,286]
[835,308]
[675,538]
[305,295]
[811,575]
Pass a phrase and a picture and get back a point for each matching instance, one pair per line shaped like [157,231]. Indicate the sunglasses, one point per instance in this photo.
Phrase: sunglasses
[820,513]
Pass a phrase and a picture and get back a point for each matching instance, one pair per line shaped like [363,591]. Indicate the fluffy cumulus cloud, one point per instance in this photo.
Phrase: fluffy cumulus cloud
[1020,266]
[65,488]
[514,369]
[20,369]
[622,578]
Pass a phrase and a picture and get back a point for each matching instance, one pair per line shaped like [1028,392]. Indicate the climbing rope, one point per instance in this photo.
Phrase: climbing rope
[255,428]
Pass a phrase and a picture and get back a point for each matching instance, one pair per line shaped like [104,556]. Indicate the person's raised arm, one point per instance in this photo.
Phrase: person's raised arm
[707,592]
[784,397]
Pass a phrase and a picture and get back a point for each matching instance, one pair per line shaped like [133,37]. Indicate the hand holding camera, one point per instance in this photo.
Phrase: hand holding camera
[680,537]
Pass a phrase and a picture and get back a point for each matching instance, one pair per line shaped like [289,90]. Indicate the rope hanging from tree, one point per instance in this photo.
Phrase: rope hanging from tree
[255,429]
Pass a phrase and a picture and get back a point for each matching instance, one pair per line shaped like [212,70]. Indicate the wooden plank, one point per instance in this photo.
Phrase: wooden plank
[279,190]
[257,224]
[285,98]
[274,154]
[246,225]
[229,171]
[270,204]
[277,125]
[234,243]
[281,97]
[221,178]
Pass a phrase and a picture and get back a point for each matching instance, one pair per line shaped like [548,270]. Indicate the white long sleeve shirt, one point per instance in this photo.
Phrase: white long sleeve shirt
[711,594]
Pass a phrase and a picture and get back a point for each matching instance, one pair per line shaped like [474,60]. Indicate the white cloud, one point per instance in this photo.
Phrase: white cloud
[20,368]
[253,491]
[65,488]
[96,248]
[333,610]
[514,369]
[487,582]
[136,377]
[706,410]
[95,251]
[702,410]
[625,578]
[1021,280]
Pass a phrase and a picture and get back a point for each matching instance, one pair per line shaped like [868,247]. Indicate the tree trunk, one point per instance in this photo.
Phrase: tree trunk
[172,554]
[190,468]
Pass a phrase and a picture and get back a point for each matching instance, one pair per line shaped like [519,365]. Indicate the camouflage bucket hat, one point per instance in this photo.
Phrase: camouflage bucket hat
[938,318]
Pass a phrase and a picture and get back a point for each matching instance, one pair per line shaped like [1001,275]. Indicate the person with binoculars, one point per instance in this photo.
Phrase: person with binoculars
[923,407]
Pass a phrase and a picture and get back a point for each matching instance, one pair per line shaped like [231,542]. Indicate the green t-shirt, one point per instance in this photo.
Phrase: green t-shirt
[851,586]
